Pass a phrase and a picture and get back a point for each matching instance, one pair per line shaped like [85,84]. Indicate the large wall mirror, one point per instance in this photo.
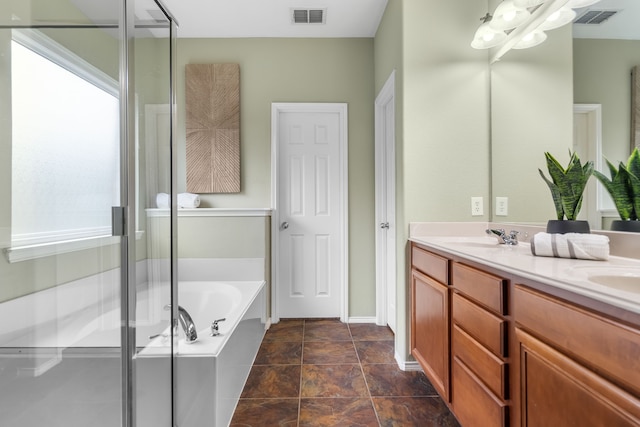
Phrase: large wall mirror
[572,92]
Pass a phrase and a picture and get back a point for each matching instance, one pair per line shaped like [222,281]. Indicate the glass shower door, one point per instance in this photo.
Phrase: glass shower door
[82,285]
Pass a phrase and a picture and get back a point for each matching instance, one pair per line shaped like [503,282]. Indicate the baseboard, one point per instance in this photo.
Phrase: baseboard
[407,365]
[361,320]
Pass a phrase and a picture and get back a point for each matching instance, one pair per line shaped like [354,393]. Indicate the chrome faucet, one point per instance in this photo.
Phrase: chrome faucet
[504,238]
[191,335]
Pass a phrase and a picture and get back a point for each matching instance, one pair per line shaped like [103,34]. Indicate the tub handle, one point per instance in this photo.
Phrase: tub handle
[214,327]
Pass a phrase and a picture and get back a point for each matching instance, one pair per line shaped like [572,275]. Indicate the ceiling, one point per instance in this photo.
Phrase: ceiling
[623,25]
[272,18]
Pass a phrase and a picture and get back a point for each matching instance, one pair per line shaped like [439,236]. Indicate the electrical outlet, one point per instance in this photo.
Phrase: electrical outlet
[476,206]
[502,206]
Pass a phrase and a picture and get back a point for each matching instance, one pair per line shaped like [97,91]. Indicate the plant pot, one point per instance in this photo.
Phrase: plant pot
[566,226]
[621,225]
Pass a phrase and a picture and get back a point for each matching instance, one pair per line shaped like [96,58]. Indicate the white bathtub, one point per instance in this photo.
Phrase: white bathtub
[213,370]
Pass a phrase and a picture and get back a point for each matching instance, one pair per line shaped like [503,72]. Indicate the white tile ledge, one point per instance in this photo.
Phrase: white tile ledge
[41,250]
[208,212]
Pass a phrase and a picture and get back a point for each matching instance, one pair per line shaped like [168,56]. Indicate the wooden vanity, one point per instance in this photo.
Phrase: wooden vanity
[503,349]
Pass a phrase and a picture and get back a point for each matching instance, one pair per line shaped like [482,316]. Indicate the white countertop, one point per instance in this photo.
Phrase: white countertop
[568,274]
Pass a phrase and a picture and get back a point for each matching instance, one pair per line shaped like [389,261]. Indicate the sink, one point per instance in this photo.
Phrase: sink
[627,283]
[479,241]
[626,279]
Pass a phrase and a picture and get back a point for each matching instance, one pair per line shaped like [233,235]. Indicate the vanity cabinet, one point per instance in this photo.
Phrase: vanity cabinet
[479,370]
[430,317]
[503,350]
[576,366]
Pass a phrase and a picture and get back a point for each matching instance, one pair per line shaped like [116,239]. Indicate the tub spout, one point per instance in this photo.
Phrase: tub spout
[191,335]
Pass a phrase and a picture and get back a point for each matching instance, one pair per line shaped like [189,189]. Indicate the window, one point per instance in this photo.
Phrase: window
[65,144]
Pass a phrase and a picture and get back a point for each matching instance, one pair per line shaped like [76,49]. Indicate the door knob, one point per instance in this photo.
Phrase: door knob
[284,225]
[384,225]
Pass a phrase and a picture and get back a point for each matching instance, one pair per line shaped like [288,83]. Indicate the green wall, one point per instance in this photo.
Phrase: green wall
[601,75]
[298,70]
[443,143]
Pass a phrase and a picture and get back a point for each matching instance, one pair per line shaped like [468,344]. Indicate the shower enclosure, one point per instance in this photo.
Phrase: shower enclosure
[86,124]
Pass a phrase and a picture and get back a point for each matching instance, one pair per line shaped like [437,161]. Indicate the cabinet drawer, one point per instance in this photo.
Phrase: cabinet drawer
[484,288]
[608,347]
[485,327]
[430,264]
[474,404]
[491,369]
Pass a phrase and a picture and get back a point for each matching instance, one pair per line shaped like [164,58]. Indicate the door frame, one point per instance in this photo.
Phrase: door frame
[385,169]
[594,206]
[278,108]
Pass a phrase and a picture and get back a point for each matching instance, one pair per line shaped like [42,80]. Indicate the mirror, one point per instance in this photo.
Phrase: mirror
[533,92]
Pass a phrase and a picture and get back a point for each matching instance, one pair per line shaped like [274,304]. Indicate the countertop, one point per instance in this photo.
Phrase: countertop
[569,274]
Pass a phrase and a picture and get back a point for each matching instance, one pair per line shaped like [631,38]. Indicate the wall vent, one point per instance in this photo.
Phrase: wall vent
[595,17]
[308,16]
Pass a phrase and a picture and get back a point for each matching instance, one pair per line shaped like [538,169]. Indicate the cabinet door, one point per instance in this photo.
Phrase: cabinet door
[557,391]
[430,330]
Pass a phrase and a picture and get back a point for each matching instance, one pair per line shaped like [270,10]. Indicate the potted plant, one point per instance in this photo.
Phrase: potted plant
[624,188]
[567,187]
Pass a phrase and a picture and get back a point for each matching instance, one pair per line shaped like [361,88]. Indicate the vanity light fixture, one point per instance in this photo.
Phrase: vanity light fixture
[534,38]
[577,4]
[528,3]
[559,18]
[486,36]
[508,16]
[523,23]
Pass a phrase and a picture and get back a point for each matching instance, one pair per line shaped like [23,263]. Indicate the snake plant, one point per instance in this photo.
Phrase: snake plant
[624,186]
[567,185]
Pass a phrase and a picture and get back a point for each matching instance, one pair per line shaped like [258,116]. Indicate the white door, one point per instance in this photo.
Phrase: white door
[385,205]
[310,210]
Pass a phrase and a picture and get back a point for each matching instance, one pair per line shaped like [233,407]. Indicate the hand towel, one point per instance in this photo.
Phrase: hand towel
[163,201]
[571,245]
[188,200]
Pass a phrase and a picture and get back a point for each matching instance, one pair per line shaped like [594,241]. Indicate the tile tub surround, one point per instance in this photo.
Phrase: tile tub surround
[559,273]
[327,373]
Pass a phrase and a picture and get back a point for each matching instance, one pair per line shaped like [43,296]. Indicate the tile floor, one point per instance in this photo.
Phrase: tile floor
[327,373]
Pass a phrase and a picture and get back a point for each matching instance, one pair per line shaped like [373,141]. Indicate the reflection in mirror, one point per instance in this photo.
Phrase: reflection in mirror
[533,93]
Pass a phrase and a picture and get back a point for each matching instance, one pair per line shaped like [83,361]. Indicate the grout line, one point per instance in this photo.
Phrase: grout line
[304,324]
[364,377]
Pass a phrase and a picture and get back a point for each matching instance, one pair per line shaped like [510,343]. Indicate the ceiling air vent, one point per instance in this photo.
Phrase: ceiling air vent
[308,16]
[595,17]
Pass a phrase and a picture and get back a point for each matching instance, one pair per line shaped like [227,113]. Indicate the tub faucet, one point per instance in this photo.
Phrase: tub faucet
[191,335]
[503,237]
[215,331]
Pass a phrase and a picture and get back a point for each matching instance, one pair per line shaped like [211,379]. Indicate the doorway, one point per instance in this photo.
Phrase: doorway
[385,187]
[309,222]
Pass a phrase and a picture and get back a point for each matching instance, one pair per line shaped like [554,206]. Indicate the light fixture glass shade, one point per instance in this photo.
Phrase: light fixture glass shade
[487,37]
[534,38]
[577,4]
[527,3]
[557,19]
[508,16]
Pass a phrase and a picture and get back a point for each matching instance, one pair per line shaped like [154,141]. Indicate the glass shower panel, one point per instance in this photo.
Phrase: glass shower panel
[60,271]
[64,163]
[152,65]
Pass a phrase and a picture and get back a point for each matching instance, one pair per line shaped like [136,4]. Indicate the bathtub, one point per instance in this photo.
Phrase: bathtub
[211,372]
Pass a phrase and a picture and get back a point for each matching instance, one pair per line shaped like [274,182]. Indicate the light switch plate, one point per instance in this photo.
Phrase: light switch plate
[477,208]
[502,206]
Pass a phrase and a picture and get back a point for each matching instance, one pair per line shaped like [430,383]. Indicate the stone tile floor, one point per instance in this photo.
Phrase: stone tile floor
[326,373]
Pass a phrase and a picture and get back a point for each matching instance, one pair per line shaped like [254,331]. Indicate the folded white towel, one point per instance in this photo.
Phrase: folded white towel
[571,245]
[163,201]
[188,200]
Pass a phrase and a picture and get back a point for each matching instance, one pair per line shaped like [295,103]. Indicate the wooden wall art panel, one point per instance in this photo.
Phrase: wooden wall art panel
[213,128]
